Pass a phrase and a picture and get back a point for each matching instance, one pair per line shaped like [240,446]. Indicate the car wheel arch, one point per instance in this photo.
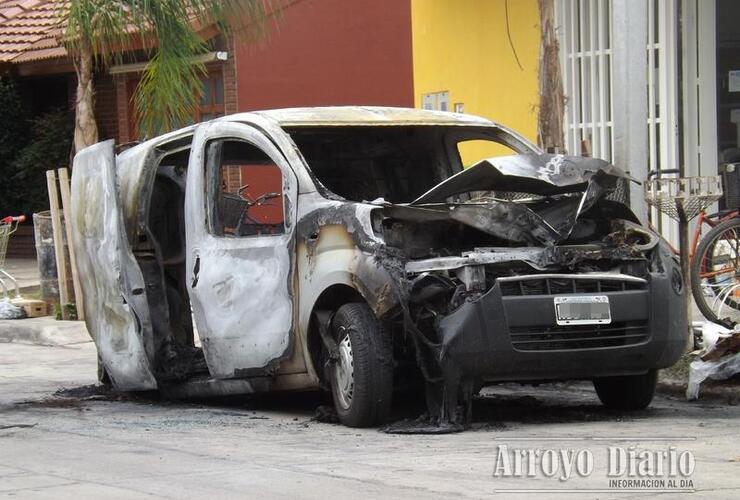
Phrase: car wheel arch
[329,300]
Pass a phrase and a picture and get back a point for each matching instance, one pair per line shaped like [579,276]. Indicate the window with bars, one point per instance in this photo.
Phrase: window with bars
[584,31]
[586,41]
[662,84]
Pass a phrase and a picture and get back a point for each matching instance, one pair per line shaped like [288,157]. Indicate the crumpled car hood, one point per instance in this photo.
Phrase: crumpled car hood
[541,174]
[545,222]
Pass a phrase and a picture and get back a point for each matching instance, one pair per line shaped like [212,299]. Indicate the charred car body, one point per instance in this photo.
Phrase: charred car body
[348,248]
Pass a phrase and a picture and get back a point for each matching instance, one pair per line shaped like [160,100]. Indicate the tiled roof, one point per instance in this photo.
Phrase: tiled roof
[29,30]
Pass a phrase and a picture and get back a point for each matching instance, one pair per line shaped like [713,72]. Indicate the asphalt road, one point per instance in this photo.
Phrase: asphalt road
[82,444]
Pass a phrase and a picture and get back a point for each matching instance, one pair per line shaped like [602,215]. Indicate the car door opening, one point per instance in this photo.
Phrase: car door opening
[160,252]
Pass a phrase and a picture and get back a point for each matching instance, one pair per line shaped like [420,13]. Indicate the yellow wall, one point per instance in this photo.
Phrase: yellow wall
[462,46]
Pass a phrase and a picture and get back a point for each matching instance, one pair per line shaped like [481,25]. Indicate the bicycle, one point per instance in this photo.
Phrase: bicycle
[236,208]
[709,291]
[715,269]
[714,283]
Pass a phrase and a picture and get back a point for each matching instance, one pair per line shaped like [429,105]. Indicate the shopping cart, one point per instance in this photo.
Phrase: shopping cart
[8,226]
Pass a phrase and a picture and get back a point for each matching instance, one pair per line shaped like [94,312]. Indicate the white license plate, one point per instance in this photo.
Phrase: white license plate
[583,310]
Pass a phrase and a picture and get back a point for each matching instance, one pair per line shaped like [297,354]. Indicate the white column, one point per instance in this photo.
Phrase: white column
[629,94]
[668,79]
[707,63]
[690,89]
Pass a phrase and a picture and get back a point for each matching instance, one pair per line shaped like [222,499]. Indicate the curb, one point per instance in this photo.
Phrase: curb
[724,391]
[45,331]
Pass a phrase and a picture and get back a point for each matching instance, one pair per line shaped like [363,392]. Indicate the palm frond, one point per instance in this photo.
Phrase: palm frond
[170,86]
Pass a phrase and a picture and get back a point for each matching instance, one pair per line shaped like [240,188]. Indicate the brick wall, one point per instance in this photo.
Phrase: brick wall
[106,107]
[230,79]
[122,109]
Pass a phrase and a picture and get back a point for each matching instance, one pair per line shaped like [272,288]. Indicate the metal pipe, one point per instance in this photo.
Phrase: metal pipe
[683,243]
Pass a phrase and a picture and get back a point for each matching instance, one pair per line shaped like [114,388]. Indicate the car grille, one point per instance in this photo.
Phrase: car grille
[569,337]
[565,285]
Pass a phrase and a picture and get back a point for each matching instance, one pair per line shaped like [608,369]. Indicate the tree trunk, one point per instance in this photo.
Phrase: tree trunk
[86,129]
[552,99]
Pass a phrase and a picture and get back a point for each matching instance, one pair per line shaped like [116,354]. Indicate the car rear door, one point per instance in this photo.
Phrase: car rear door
[116,309]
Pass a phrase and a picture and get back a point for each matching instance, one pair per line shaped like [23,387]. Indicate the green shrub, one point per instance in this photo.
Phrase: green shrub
[13,137]
[69,309]
[49,148]
[28,148]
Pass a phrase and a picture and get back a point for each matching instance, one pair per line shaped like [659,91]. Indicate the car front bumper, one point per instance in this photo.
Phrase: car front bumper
[512,335]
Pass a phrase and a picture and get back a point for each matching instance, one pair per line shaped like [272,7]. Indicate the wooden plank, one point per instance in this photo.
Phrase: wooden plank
[66,208]
[56,225]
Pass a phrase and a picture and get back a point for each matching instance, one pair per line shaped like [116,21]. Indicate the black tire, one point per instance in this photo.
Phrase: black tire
[371,356]
[627,392]
[707,243]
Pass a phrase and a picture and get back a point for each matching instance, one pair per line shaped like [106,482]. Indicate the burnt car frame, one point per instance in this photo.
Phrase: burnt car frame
[383,265]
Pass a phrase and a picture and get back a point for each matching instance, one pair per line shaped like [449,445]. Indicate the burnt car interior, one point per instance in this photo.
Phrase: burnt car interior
[160,251]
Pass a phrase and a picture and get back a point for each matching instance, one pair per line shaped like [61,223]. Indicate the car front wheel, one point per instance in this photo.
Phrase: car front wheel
[627,392]
[362,374]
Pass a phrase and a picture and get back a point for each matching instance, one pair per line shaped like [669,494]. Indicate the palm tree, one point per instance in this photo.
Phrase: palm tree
[99,32]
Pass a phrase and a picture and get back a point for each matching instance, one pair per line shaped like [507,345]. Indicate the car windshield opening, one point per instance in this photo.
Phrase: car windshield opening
[395,163]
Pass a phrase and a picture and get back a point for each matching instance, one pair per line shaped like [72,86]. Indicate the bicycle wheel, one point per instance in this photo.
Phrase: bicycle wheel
[715,272]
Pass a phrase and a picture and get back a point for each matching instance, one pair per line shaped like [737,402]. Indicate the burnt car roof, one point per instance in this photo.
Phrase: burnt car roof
[343,116]
[366,115]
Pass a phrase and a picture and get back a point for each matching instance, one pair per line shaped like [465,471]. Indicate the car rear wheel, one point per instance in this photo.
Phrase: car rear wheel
[628,392]
[362,376]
